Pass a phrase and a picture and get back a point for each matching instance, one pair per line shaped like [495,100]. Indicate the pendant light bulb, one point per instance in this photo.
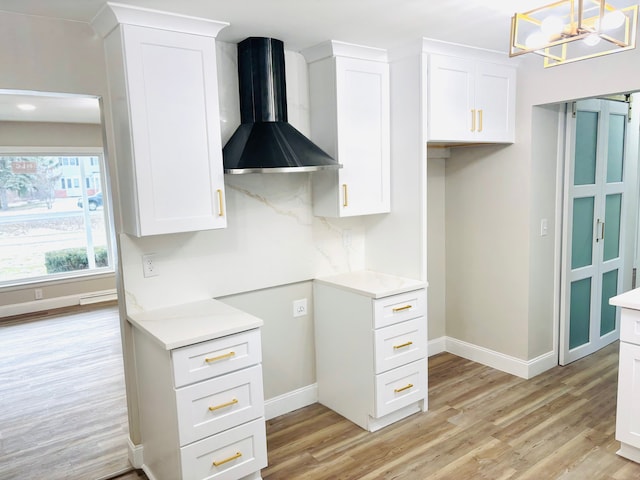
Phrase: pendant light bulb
[612,20]
[552,26]
[536,40]
[592,40]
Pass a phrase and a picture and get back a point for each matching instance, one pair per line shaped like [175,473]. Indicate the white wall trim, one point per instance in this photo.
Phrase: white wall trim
[58,302]
[522,368]
[134,452]
[302,397]
[290,401]
[436,346]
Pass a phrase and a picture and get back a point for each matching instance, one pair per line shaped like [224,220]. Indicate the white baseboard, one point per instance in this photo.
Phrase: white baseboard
[290,401]
[526,369]
[522,368]
[134,453]
[436,346]
[57,302]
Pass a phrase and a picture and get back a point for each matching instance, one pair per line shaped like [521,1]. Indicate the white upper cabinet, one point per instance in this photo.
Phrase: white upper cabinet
[470,100]
[164,99]
[349,101]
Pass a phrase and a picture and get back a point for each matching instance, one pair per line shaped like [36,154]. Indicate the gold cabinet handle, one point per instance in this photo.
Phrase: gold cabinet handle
[480,120]
[398,390]
[400,309]
[220,357]
[220,203]
[345,195]
[223,405]
[227,460]
[396,347]
[473,120]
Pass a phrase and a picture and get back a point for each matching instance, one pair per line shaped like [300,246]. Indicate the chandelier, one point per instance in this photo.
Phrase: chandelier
[571,30]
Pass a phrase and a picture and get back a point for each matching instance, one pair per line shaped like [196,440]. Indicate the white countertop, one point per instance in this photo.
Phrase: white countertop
[372,284]
[182,325]
[630,299]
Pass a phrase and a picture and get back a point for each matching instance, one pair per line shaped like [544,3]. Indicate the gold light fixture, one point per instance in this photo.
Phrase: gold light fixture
[571,30]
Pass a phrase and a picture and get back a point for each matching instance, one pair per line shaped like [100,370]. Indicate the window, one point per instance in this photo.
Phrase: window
[53,222]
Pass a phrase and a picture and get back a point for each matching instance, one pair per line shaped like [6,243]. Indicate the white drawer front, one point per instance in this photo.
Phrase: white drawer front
[400,387]
[399,308]
[216,357]
[212,406]
[630,326]
[400,344]
[237,453]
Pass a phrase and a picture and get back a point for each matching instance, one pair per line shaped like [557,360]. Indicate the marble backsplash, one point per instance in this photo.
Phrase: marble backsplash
[272,237]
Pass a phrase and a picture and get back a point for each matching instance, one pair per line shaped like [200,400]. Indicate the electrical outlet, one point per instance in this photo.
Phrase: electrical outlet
[300,307]
[37,293]
[149,266]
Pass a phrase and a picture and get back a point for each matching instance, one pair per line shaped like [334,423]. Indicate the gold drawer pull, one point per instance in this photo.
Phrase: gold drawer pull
[227,460]
[220,203]
[395,347]
[479,120]
[400,309]
[220,357]
[398,390]
[223,405]
[345,195]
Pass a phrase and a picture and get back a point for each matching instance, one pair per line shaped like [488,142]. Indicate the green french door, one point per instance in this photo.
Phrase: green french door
[593,233]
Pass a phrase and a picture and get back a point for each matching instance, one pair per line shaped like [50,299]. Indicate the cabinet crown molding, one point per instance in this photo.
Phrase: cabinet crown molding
[431,45]
[112,14]
[335,48]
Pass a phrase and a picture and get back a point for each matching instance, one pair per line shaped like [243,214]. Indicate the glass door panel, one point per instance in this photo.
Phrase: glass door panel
[586,149]
[608,312]
[615,148]
[613,208]
[581,238]
[580,312]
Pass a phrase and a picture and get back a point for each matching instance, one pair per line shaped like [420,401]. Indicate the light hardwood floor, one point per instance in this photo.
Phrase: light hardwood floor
[62,401]
[481,424]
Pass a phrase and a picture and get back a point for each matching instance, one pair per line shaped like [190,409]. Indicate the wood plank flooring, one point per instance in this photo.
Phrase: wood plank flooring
[57,391]
[481,424]
[62,400]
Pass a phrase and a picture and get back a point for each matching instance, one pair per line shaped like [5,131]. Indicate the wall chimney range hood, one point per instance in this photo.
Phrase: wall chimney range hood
[265,142]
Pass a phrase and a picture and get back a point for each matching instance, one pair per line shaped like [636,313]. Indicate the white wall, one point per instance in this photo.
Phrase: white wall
[48,55]
[500,272]
[436,252]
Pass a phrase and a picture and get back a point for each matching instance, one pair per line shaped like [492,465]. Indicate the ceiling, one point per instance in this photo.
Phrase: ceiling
[299,24]
[304,23]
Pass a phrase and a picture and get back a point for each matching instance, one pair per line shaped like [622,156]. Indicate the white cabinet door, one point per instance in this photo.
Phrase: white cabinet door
[176,153]
[450,98]
[628,412]
[470,100]
[495,102]
[363,136]
[349,100]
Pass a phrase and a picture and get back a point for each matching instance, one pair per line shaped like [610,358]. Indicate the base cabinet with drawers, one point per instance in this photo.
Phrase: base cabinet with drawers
[371,347]
[201,399]
[628,407]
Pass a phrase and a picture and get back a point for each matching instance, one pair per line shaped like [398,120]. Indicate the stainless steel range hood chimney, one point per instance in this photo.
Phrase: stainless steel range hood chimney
[265,142]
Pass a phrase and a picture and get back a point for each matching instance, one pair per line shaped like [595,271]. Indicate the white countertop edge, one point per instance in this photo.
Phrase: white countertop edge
[181,325]
[630,299]
[372,284]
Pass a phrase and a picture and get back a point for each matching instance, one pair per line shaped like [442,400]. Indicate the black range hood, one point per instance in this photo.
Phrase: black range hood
[265,142]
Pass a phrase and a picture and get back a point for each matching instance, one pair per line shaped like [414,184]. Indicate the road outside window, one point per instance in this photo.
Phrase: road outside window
[53,222]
